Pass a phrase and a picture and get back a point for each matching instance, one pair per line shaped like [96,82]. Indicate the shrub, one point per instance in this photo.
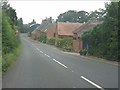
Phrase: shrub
[67,44]
[69,48]
[83,52]
[51,41]
[42,38]
[64,43]
[59,43]
[9,58]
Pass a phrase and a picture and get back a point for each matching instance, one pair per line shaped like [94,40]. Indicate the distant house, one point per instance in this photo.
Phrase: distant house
[35,33]
[32,27]
[45,27]
[56,29]
[64,29]
[78,43]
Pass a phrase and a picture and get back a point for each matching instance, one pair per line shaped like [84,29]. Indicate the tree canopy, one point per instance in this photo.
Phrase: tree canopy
[80,16]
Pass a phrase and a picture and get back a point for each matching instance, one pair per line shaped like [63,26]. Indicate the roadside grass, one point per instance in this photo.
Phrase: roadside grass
[0,55]
[0,66]
[10,58]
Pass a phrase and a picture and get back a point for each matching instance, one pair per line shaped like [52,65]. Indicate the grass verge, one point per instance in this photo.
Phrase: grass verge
[8,59]
[0,65]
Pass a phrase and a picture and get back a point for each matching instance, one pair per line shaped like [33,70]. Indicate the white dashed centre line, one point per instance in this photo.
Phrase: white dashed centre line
[92,83]
[46,55]
[53,59]
[60,63]
[41,51]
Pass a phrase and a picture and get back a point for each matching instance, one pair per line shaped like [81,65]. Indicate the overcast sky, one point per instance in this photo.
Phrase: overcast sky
[38,10]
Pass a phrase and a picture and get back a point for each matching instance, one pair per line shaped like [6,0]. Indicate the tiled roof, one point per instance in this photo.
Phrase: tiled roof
[36,32]
[42,27]
[45,26]
[67,28]
[90,23]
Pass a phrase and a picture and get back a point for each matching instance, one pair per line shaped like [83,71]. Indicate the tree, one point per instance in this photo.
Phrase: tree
[0,20]
[10,41]
[118,29]
[73,16]
[42,37]
[20,25]
[81,16]
[103,39]
[10,12]
[26,28]
[97,14]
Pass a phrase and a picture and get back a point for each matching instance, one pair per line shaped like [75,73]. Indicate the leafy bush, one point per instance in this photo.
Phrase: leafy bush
[42,37]
[51,41]
[67,44]
[64,43]
[83,52]
[9,58]
[59,43]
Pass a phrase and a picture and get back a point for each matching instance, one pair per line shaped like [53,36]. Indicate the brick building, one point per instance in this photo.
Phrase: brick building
[78,43]
[65,29]
[56,30]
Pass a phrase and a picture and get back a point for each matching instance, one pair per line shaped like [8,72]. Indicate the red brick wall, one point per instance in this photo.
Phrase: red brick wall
[35,34]
[77,45]
[50,33]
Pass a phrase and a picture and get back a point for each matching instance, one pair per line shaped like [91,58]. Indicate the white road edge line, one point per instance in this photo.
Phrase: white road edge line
[37,49]
[60,63]
[92,83]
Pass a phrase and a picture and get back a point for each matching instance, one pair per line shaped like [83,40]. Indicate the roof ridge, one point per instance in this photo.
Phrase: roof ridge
[70,22]
[84,25]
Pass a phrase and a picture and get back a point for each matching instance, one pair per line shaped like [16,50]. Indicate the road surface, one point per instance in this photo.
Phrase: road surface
[44,66]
